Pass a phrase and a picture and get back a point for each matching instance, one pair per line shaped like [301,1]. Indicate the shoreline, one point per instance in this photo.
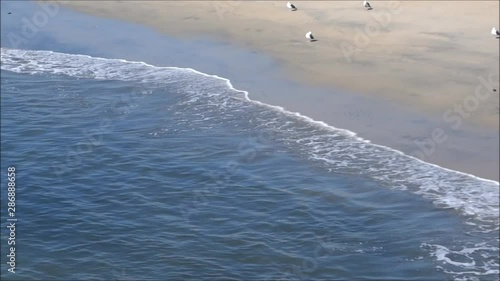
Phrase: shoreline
[416,57]
[444,74]
[469,149]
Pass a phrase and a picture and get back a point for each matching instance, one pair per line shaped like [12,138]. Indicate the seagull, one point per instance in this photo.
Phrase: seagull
[309,35]
[495,32]
[291,6]
[367,5]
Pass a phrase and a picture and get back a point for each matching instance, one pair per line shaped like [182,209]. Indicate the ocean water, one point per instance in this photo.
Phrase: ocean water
[128,171]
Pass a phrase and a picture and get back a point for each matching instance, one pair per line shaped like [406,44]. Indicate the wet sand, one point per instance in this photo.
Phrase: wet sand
[425,55]
[411,87]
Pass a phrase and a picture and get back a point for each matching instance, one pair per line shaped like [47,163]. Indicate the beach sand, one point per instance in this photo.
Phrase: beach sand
[426,57]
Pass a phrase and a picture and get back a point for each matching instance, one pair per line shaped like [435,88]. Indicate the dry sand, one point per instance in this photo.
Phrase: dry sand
[424,54]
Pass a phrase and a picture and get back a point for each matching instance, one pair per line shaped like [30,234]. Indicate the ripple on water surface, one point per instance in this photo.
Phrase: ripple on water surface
[149,173]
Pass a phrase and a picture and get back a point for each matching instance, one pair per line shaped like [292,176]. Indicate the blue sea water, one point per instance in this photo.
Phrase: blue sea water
[128,171]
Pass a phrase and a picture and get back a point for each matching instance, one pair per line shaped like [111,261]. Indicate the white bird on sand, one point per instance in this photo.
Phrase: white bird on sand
[367,5]
[495,32]
[291,6]
[309,35]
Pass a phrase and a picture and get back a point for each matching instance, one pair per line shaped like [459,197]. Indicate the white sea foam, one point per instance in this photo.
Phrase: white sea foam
[341,150]
[464,264]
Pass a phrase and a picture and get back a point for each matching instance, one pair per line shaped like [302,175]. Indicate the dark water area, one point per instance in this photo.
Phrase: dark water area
[122,180]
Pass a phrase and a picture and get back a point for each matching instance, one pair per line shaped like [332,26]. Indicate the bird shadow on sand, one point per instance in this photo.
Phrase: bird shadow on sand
[369,9]
[313,40]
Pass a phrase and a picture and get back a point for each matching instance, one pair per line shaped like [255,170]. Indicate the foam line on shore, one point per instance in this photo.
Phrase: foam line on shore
[246,94]
[349,154]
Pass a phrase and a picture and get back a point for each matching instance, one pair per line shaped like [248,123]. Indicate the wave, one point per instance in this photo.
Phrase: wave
[337,149]
[470,262]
